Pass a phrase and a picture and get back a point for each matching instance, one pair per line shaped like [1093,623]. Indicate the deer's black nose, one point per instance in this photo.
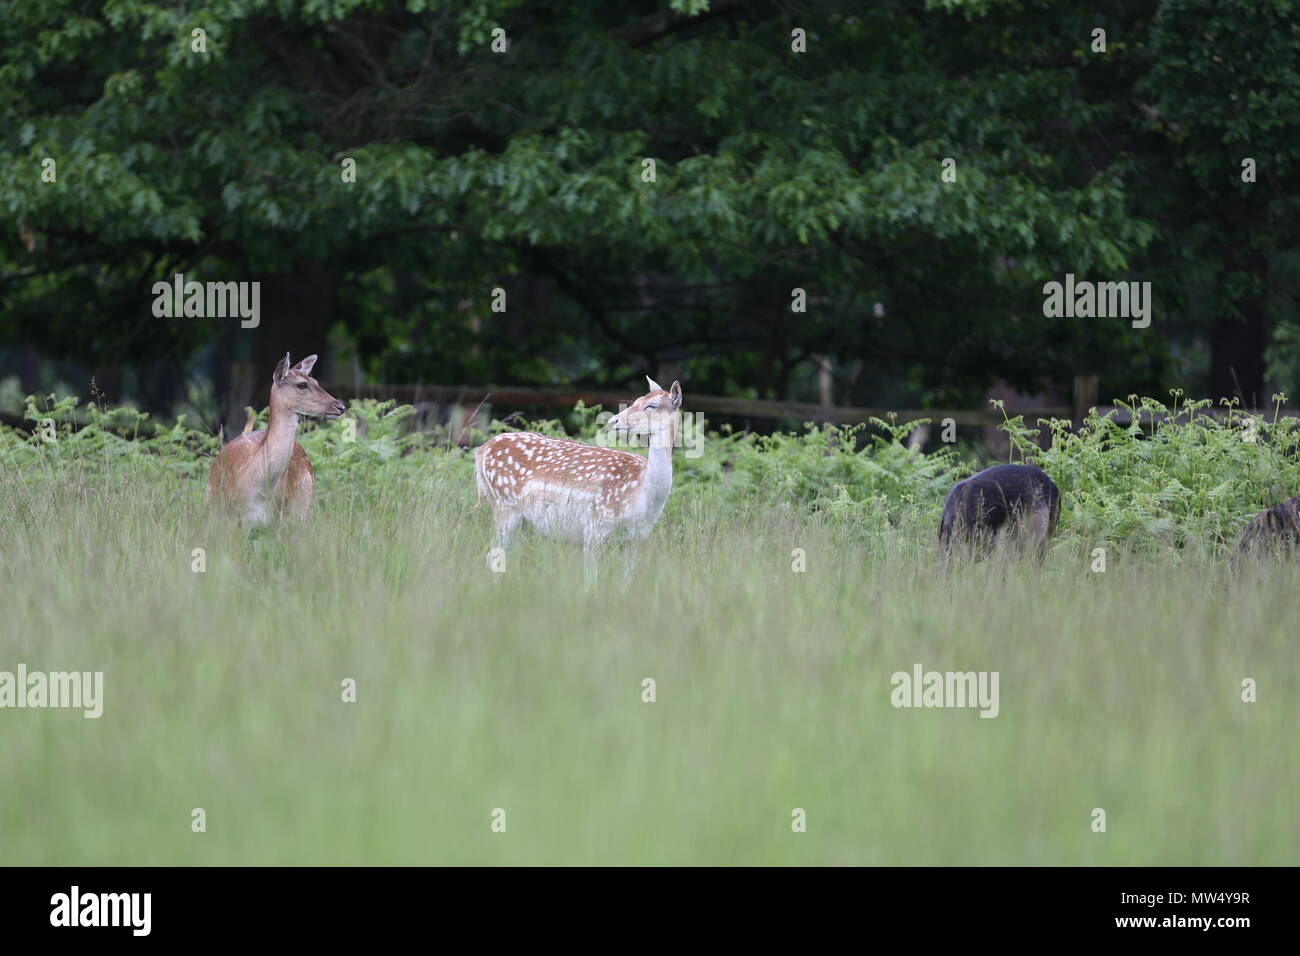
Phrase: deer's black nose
[341,407]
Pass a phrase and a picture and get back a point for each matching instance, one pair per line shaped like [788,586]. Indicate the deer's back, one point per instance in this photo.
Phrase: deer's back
[516,468]
[991,498]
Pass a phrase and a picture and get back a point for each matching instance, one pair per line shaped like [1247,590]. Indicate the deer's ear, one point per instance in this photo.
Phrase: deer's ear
[305,365]
[675,394]
[281,370]
[654,386]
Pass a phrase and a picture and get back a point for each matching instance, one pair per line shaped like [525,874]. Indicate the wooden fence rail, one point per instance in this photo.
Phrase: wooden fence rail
[511,398]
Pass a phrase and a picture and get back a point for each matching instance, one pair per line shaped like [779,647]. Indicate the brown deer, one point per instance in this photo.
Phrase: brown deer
[265,473]
[585,493]
[1017,499]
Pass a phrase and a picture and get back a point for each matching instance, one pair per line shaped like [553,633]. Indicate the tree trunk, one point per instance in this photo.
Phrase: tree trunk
[1237,344]
[160,386]
[29,370]
[825,380]
[105,385]
[297,310]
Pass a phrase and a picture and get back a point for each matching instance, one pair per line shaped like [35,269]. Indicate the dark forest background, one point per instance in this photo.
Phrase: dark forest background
[775,170]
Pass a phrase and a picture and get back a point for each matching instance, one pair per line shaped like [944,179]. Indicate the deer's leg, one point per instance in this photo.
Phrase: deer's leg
[300,507]
[592,543]
[629,561]
[1041,522]
[300,498]
[1015,534]
[257,514]
[507,523]
[630,548]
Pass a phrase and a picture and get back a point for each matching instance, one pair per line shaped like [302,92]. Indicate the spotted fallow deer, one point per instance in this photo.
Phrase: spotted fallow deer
[584,493]
[265,473]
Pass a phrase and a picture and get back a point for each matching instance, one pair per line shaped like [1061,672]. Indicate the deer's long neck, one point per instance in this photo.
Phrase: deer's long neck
[658,479]
[277,448]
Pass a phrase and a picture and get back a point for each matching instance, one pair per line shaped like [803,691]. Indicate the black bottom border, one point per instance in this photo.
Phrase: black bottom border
[335,904]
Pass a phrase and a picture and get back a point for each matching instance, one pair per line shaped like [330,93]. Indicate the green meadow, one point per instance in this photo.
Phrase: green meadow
[790,577]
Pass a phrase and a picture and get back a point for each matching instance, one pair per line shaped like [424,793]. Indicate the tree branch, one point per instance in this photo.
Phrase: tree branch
[660,24]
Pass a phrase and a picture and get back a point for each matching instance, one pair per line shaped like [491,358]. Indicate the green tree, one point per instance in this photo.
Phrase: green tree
[523,169]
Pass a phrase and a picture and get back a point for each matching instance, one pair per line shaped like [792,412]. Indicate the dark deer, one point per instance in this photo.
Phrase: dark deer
[1273,529]
[1015,500]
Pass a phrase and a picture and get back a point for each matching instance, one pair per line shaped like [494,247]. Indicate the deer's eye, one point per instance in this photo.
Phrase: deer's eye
[303,386]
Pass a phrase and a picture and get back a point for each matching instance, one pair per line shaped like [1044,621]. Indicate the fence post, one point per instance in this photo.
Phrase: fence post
[1085,396]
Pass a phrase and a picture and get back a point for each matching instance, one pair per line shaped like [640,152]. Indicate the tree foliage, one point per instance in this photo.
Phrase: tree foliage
[775,170]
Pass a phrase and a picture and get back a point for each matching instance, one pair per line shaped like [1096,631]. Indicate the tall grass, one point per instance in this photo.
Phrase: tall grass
[523,690]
